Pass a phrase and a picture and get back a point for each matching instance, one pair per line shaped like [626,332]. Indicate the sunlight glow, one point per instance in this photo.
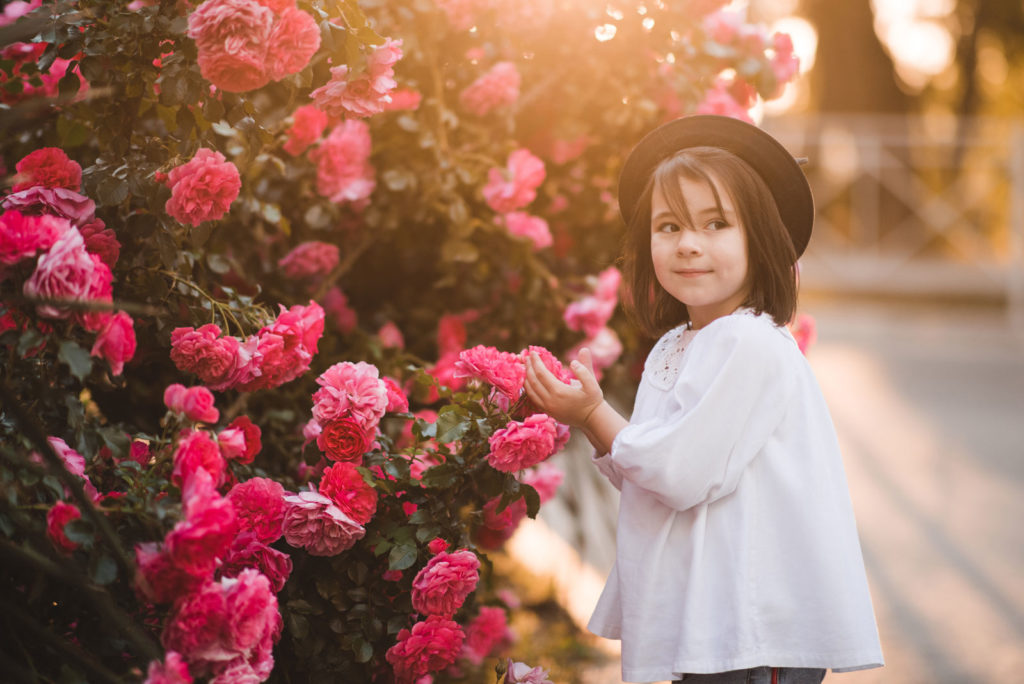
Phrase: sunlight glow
[605,32]
[917,35]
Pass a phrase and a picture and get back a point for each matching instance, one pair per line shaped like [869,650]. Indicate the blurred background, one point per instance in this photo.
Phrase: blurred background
[910,113]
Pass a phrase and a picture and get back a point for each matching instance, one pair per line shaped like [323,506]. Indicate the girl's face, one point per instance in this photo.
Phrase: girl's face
[700,259]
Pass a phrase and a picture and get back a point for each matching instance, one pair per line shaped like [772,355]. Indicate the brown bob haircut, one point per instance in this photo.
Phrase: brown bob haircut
[771,257]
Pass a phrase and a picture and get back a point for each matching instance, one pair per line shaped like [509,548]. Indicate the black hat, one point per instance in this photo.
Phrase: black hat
[779,169]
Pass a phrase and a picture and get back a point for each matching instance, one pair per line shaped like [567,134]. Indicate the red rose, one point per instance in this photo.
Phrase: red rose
[343,440]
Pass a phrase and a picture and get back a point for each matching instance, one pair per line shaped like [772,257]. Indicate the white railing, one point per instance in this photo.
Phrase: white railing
[929,207]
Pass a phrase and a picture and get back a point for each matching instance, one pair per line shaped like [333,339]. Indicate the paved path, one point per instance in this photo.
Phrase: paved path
[929,407]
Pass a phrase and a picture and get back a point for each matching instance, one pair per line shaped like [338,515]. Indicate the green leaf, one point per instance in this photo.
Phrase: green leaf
[77,359]
[451,426]
[69,84]
[363,652]
[402,557]
[102,569]
[112,191]
[29,340]
[532,499]
[72,132]
[80,531]
[440,476]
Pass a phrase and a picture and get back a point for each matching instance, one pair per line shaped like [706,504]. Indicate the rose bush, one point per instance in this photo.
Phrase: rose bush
[269,271]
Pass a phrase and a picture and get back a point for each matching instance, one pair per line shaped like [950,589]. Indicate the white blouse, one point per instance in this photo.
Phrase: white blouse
[737,545]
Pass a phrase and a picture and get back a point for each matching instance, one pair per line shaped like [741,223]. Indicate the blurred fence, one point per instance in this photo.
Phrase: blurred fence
[929,206]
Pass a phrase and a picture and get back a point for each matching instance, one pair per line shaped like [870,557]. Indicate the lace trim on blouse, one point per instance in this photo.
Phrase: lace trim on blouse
[665,359]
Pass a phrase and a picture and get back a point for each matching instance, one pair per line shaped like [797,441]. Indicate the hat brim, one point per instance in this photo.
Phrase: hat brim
[779,169]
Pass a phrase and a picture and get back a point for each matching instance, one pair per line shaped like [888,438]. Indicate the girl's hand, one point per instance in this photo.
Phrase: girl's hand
[571,404]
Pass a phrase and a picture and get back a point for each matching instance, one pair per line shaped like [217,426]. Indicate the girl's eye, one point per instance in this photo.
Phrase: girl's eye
[717,224]
[668,228]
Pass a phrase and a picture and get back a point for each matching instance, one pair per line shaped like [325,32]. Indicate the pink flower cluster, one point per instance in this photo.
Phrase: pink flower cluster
[226,630]
[24,54]
[115,343]
[308,124]
[545,478]
[442,586]
[504,370]
[240,440]
[68,271]
[203,188]
[498,527]
[343,170]
[430,646]
[260,507]
[280,352]
[22,235]
[343,485]
[496,88]
[195,403]
[366,95]
[310,260]
[533,228]
[245,44]
[173,670]
[313,522]
[350,402]
[522,444]
[74,463]
[591,313]
[516,185]
[488,631]
[721,100]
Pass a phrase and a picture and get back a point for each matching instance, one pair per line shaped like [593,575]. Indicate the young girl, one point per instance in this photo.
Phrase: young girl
[738,558]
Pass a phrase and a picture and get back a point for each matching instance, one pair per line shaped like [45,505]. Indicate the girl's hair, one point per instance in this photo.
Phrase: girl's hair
[770,252]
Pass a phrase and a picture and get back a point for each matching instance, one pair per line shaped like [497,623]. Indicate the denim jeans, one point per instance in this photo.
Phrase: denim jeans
[759,675]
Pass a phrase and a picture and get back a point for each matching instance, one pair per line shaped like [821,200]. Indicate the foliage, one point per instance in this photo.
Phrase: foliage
[120,89]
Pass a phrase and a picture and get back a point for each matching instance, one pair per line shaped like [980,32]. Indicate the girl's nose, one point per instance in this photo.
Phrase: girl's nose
[688,243]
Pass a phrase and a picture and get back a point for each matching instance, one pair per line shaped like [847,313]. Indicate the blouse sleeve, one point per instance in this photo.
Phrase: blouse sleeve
[732,393]
[605,467]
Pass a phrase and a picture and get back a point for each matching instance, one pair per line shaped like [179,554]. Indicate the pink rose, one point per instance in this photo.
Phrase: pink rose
[533,228]
[308,124]
[521,673]
[160,579]
[503,370]
[76,208]
[59,515]
[68,271]
[488,631]
[523,444]
[515,186]
[116,342]
[234,72]
[232,38]
[228,624]
[720,101]
[197,450]
[498,87]
[608,282]
[203,188]
[313,522]
[139,452]
[74,463]
[310,260]
[249,552]
[219,362]
[173,670]
[343,485]
[240,441]
[259,505]
[343,440]
[390,336]
[451,332]
[430,646]
[357,97]
[339,312]
[294,39]
[343,171]
[51,168]
[351,390]
[550,362]
[101,241]
[208,529]
[285,348]
[545,478]
[21,235]
[380,63]
[196,403]
[398,402]
[589,314]
[442,586]
[437,545]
